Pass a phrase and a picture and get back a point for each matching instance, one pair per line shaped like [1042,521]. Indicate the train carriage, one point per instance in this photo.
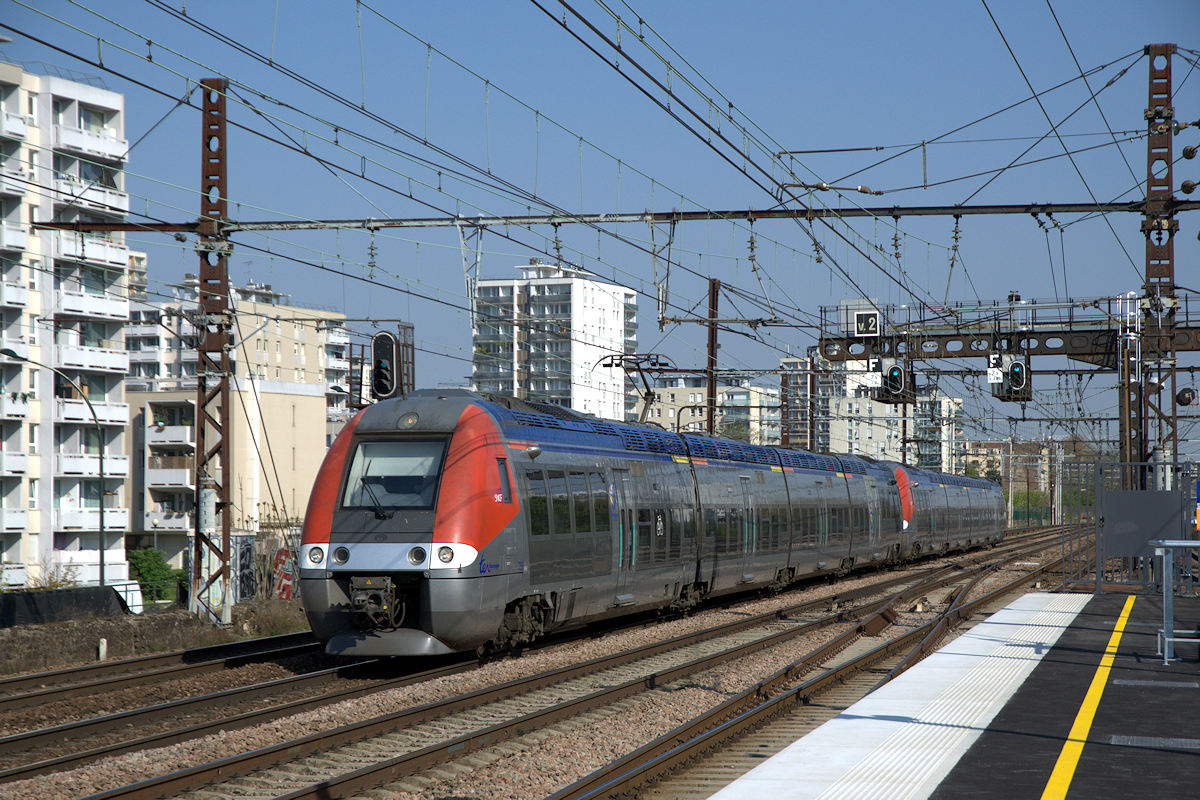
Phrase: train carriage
[449,520]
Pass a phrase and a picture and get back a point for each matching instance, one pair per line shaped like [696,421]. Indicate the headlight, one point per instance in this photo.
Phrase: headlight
[416,556]
[316,555]
[341,555]
[445,555]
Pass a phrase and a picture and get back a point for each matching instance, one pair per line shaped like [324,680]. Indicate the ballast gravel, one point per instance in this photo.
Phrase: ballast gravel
[532,766]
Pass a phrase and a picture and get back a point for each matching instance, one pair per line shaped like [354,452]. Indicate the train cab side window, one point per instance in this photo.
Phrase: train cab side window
[601,512]
[505,484]
[560,504]
[581,501]
[538,510]
[689,524]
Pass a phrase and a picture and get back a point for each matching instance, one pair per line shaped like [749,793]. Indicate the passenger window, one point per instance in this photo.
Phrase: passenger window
[737,530]
[676,531]
[645,534]
[600,508]
[689,523]
[560,504]
[722,529]
[539,513]
[579,497]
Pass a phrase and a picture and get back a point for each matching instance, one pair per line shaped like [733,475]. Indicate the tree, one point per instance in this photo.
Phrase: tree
[155,576]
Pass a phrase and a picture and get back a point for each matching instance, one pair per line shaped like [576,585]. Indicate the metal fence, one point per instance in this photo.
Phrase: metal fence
[1114,509]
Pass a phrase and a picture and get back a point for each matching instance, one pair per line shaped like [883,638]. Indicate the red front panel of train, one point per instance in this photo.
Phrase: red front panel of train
[477,497]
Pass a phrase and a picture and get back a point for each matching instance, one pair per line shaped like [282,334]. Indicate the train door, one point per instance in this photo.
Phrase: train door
[749,531]
[626,533]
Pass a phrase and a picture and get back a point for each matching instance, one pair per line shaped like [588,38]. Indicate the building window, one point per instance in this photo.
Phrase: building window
[33,493]
[33,437]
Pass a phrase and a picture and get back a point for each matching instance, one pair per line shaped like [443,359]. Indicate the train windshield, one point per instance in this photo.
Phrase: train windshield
[394,474]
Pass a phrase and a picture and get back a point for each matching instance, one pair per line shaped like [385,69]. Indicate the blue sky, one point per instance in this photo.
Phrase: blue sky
[801,76]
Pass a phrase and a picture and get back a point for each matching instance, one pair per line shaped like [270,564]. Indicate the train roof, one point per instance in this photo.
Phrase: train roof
[567,426]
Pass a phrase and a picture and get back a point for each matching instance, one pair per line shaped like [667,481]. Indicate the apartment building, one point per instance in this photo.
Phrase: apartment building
[291,367]
[540,337]
[828,408]
[746,411]
[63,304]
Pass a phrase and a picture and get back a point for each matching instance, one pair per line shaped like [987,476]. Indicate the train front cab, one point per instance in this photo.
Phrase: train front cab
[407,547]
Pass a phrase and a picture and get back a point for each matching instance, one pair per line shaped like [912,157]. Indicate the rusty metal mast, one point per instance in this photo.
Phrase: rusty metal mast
[211,556]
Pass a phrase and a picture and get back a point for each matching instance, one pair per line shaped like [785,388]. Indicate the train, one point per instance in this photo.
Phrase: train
[447,520]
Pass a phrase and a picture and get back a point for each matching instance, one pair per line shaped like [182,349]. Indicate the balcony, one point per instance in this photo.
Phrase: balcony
[143,356]
[337,336]
[13,518]
[168,521]
[81,247]
[87,465]
[337,364]
[171,435]
[13,181]
[144,329]
[96,143]
[14,575]
[170,472]
[106,413]
[14,405]
[14,124]
[13,236]
[13,295]
[92,359]
[83,567]
[70,302]
[14,463]
[77,192]
[17,346]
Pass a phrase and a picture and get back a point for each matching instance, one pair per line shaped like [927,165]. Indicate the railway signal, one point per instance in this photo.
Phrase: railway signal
[385,350]
[896,384]
[1008,375]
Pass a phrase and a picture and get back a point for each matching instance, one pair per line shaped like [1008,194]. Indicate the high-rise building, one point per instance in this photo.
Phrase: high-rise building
[541,337]
[63,303]
[829,408]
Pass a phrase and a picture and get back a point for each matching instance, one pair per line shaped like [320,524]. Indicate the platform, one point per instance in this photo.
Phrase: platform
[988,715]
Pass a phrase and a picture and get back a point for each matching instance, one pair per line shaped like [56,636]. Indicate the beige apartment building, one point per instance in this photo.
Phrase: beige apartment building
[291,368]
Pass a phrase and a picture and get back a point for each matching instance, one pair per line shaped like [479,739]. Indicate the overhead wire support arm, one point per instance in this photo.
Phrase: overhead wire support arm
[654,217]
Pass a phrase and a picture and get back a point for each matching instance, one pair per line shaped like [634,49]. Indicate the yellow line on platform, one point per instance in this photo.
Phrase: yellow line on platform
[1068,759]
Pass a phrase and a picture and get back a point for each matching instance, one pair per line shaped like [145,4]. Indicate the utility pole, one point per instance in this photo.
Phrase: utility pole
[211,556]
[1158,441]
[714,289]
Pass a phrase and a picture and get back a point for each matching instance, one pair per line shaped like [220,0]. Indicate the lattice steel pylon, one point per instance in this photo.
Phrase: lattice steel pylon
[1153,427]
[212,594]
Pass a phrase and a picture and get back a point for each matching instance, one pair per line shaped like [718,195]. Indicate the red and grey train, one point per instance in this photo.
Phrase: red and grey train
[449,520]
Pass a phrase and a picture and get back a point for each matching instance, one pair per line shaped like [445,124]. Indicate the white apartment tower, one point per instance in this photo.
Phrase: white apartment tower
[63,303]
[540,337]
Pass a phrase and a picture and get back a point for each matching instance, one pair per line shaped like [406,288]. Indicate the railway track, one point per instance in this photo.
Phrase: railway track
[353,757]
[705,754]
[105,676]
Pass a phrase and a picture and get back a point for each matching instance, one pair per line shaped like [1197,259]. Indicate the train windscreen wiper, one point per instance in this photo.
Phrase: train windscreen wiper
[379,512]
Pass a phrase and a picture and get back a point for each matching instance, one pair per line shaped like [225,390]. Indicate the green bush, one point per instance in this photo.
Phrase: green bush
[154,574]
